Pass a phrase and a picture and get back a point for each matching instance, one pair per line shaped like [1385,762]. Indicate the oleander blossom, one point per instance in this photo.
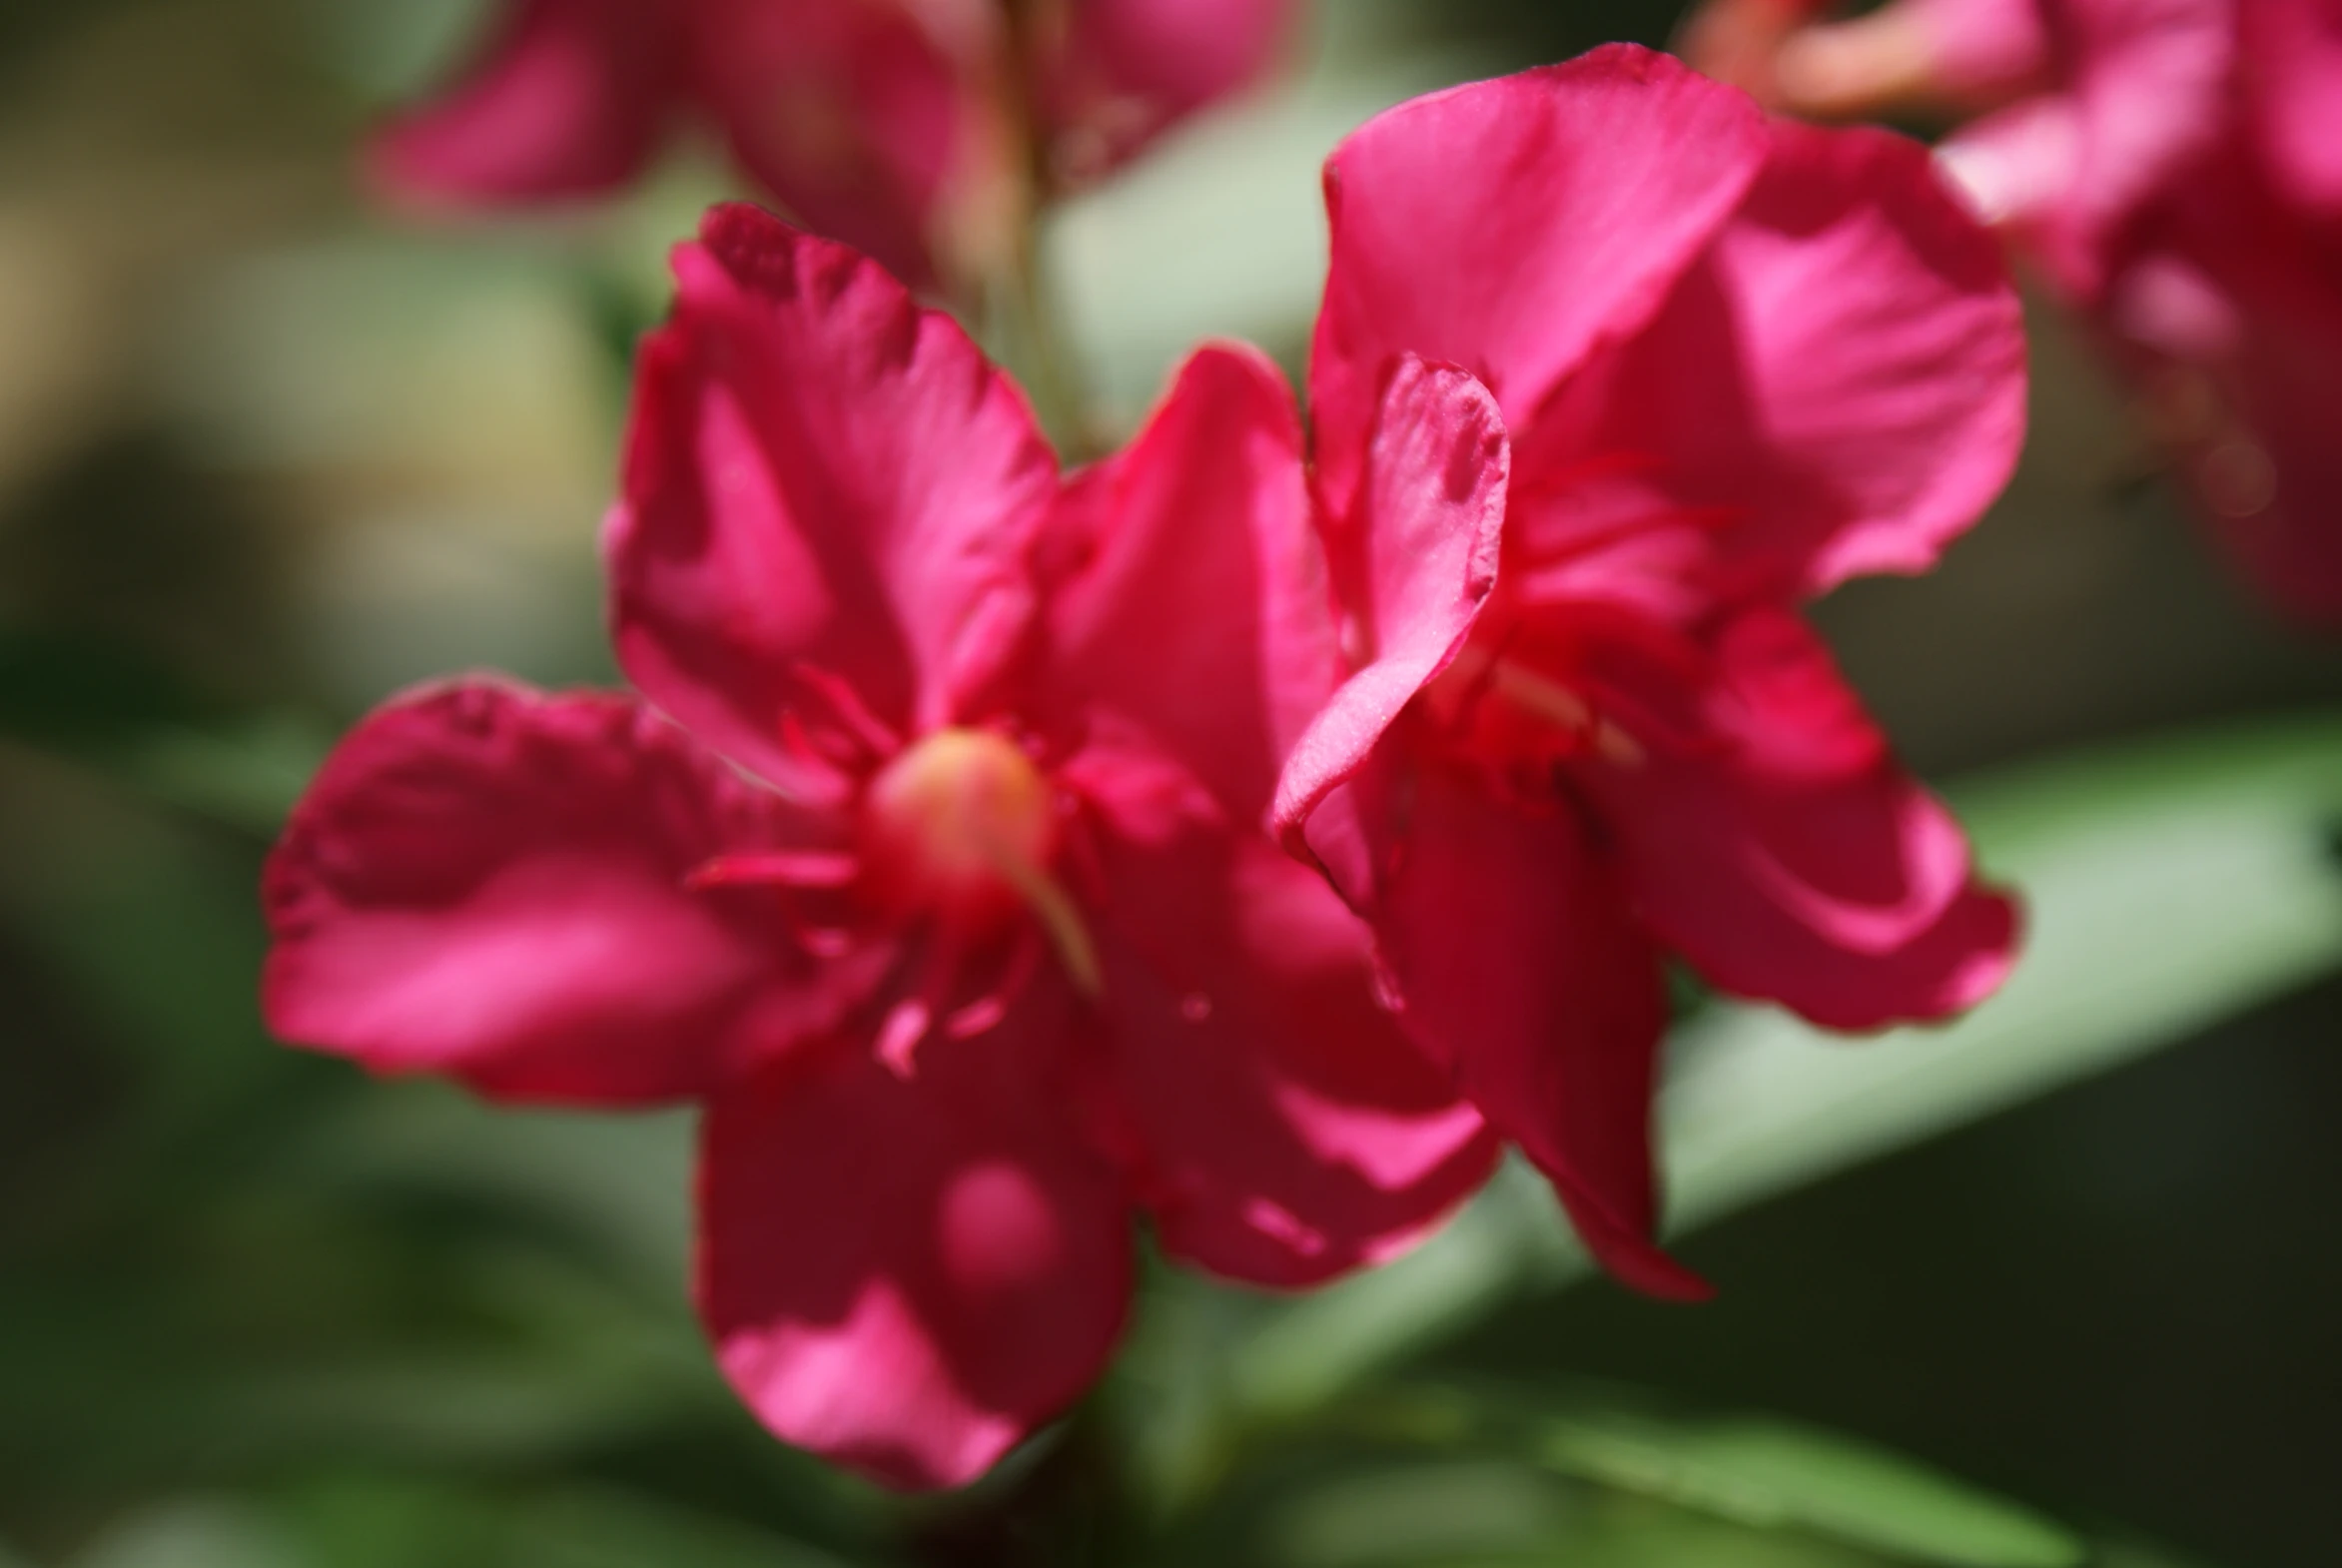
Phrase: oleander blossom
[889,124]
[1738,362]
[928,860]
[2174,169]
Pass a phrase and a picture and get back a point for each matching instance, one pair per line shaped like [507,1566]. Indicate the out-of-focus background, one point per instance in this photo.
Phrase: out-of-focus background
[2055,1286]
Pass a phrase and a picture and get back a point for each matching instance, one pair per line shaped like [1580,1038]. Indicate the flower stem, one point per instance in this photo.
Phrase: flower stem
[1023,298]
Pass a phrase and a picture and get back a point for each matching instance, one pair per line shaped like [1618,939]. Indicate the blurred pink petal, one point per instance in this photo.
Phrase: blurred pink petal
[2292,69]
[908,1276]
[1115,74]
[489,883]
[569,98]
[868,119]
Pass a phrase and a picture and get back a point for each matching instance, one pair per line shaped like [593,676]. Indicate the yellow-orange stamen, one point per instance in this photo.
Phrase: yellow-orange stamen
[1563,707]
[963,826]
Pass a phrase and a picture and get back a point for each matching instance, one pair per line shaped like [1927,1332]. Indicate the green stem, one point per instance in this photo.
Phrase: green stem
[1023,301]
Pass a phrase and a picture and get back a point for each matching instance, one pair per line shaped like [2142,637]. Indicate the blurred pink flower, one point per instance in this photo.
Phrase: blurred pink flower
[888,123]
[2174,167]
[928,860]
[2224,300]
[1740,363]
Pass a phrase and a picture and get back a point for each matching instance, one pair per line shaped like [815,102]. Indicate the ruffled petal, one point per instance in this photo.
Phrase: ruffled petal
[909,1275]
[1189,592]
[1506,227]
[569,98]
[1838,388]
[1119,73]
[489,882]
[1288,1129]
[1792,858]
[1414,563]
[1510,948]
[828,499]
[867,121]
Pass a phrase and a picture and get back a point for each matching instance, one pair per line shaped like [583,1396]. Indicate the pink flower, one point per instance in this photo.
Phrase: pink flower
[2223,302]
[1740,363]
[884,123]
[2174,167]
[928,860]
[2080,111]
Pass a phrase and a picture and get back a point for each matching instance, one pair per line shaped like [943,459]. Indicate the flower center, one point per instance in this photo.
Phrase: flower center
[960,825]
[1501,709]
[962,828]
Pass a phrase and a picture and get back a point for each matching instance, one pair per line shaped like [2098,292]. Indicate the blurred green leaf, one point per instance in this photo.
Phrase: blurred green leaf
[1439,1473]
[152,927]
[70,691]
[1430,1512]
[109,710]
[2168,884]
[387,1520]
[1627,1531]
[621,1182]
[395,51]
[607,1531]
[1776,1475]
[197,1533]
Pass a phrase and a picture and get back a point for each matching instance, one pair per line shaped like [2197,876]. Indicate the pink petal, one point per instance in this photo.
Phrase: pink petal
[909,1275]
[1986,48]
[2143,93]
[1415,560]
[1794,859]
[489,882]
[1190,594]
[1121,72]
[2292,64]
[1511,951]
[1289,1129]
[866,120]
[1507,227]
[825,487]
[2228,313]
[569,98]
[1838,388]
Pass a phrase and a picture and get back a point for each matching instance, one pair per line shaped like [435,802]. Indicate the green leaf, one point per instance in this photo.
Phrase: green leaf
[2169,884]
[582,1529]
[2167,887]
[109,710]
[1779,1476]
[1408,1514]
[197,1533]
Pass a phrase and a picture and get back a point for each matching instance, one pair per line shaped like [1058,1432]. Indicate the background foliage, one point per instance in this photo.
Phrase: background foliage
[2003,1294]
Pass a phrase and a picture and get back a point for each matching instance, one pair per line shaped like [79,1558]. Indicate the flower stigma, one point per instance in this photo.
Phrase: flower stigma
[963,826]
